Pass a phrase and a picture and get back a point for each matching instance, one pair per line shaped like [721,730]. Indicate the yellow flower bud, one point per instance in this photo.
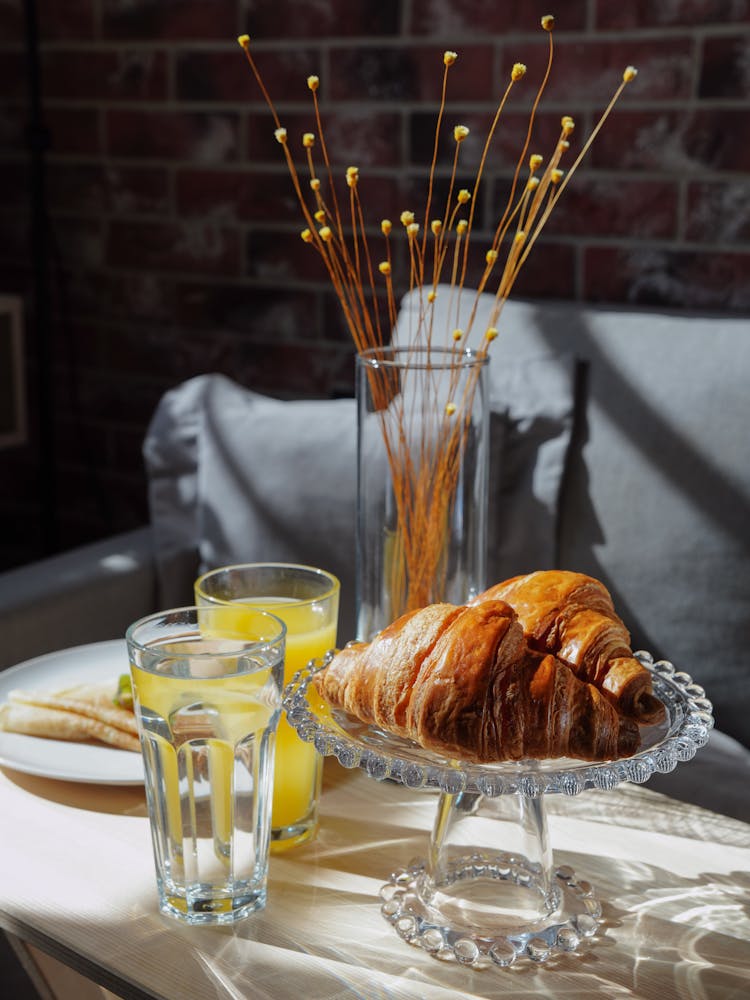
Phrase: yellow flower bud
[535,161]
[436,225]
[244,40]
[460,132]
[532,183]
[548,22]
[449,57]
[630,74]
[490,334]
[320,215]
[462,226]
[450,409]
[568,124]
[313,83]
[463,196]
[431,296]
[306,235]
[325,234]
[564,144]
[315,183]
[352,176]
[308,140]
[385,226]
[519,237]
[519,70]
[384,267]
[412,229]
[491,256]
[556,176]
[280,134]
[457,334]
[407,218]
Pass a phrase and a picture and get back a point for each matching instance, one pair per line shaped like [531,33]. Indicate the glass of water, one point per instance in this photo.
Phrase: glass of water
[207,700]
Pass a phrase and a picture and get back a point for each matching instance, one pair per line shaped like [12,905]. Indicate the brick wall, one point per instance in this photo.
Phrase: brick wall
[174,240]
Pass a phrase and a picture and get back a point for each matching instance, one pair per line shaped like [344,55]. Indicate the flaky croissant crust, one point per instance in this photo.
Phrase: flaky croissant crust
[462,681]
[572,616]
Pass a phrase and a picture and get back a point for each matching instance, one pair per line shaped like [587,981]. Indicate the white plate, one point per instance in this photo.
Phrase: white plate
[59,758]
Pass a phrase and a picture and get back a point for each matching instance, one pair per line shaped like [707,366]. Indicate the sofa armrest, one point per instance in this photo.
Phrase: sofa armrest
[87,594]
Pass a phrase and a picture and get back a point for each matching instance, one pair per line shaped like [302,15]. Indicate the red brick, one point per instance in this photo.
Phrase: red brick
[724,67]
[150,19]
[471,17]
[226,75]
[615,207]
[506,146]
[14,183]
[254,311]
[141,298]
[12,27]
[586,73]
[380,197]
[140,349]
[73,130]
[364,136]
[108,399]
[614,14]
[12,129]
[269,19]
[718,212]
[236,194]
[278,257]
[668,277]
[97,503]
[189,246]
[67,19]
[716,139]
[15,243]
[336,329]
[95,188]
[13,83]
[80,240]
[205,138]
[74,444]
[108,297]
[126,446]
[548,272]
[131,75]
[296,370]
[414,74]
[284,74]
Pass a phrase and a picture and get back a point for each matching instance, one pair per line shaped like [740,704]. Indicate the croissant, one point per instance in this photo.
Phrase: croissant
[572,616]
[462,681]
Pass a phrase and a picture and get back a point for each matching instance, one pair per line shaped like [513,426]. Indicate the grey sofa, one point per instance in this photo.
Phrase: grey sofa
[620,446]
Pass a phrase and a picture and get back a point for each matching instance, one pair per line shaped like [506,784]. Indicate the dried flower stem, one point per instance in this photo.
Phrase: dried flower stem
[425,441]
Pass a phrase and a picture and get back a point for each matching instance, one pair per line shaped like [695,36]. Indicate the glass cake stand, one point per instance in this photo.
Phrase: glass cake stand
[488,892]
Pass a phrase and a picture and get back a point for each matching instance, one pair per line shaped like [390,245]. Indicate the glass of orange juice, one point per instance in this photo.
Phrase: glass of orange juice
[307,601]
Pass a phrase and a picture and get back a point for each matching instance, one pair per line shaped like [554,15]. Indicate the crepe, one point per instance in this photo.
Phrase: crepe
[85,712]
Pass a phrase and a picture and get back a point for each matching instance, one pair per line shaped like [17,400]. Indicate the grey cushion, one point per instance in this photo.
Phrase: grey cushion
[656,500]
[235,476]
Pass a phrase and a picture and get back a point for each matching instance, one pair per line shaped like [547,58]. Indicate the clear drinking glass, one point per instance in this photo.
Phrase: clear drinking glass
[307,601]
[208,701]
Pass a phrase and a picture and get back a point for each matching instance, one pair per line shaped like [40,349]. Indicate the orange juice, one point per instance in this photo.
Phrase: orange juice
[311,632]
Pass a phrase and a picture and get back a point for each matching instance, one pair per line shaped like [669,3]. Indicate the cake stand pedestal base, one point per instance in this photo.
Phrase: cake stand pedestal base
[474,901]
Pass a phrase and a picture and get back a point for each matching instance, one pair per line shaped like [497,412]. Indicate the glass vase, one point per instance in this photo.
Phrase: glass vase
[423,455]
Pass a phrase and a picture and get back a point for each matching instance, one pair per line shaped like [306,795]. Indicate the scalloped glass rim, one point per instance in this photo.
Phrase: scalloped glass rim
[686,728]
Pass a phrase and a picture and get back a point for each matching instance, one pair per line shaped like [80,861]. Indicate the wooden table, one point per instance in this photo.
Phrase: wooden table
[77,882]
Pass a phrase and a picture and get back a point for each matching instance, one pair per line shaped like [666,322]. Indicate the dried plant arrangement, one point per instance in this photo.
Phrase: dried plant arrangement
[439,241]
